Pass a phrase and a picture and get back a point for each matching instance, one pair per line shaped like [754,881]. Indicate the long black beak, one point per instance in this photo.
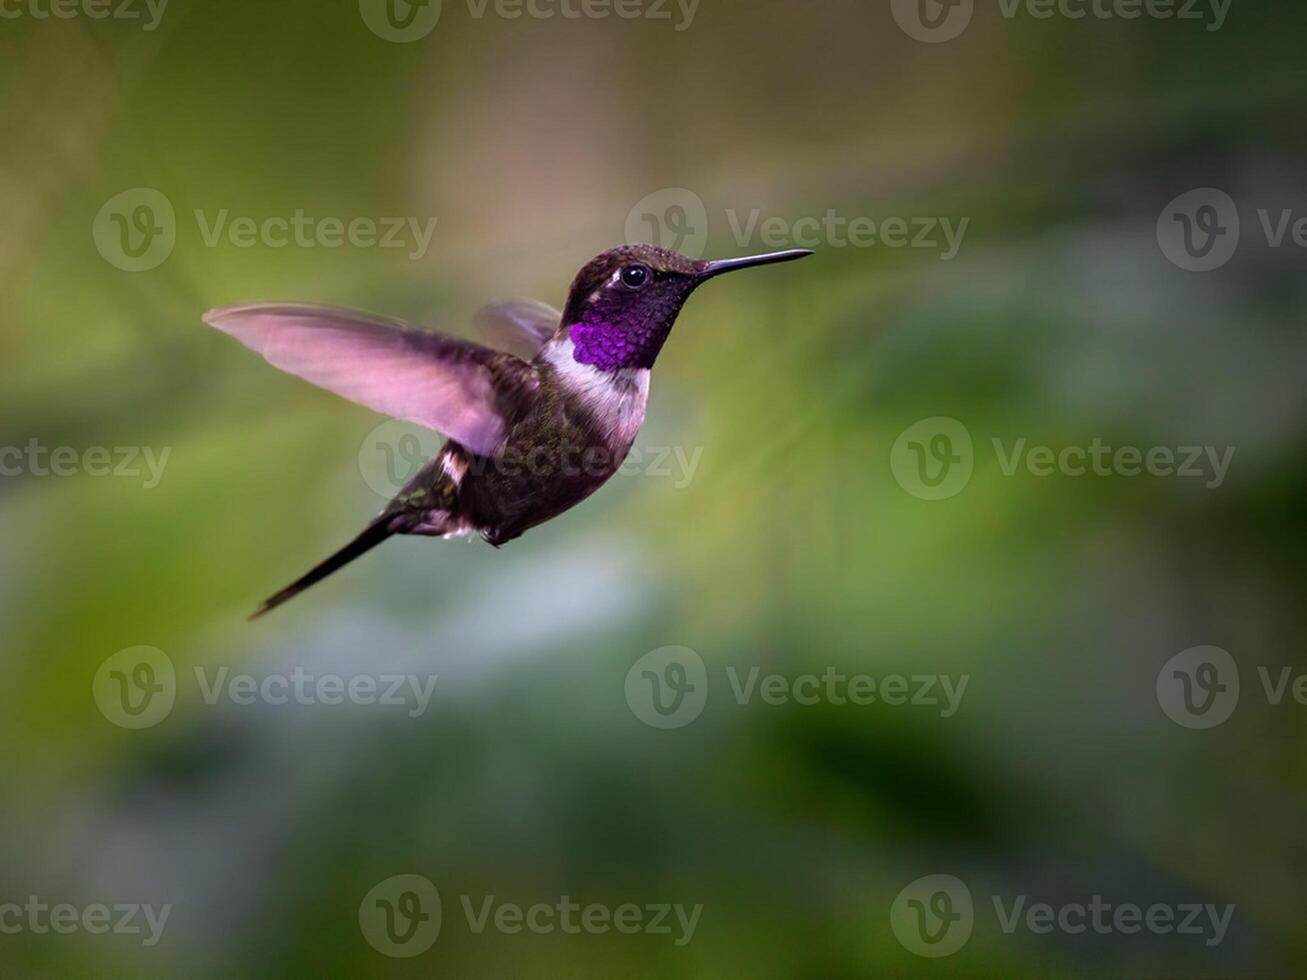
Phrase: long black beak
[731,265]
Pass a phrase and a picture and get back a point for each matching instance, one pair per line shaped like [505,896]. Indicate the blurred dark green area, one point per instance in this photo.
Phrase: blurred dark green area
[792,548]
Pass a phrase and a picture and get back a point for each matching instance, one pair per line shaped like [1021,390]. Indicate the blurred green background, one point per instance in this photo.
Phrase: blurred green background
[792,547]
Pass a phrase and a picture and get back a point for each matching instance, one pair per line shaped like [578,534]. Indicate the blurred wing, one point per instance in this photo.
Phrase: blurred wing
[518,325]
[440,382]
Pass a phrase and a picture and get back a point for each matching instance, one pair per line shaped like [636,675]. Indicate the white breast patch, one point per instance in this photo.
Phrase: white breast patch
[617,398]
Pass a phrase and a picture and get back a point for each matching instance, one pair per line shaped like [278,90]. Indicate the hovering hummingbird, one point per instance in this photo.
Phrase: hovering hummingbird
[528,436]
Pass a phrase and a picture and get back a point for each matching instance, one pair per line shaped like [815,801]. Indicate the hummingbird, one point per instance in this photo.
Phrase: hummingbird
[534,425]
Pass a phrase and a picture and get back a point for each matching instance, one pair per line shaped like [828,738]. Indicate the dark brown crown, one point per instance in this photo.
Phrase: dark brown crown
[600,269]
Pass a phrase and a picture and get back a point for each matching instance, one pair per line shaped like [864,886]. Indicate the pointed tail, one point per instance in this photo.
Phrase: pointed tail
[375,533]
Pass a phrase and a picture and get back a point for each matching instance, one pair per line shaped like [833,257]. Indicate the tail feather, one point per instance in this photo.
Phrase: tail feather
[375,533]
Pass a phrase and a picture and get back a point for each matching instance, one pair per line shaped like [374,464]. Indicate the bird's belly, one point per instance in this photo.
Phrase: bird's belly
[576,437]
[526,485]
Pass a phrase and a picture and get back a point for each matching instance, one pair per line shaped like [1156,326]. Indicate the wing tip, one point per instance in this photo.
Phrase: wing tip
[248,322]
[224,318]
[291,309]
[211,317]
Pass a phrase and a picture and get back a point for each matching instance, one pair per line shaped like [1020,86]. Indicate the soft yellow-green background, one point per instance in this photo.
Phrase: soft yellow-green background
[793,547]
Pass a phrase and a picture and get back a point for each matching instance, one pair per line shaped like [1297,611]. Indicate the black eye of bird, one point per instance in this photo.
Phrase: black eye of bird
[634,276]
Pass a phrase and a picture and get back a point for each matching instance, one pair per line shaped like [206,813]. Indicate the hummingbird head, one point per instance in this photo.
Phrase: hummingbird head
[623,302]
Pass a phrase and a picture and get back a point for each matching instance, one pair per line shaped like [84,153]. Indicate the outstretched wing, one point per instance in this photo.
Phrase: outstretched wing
[451,385]
[518,325]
